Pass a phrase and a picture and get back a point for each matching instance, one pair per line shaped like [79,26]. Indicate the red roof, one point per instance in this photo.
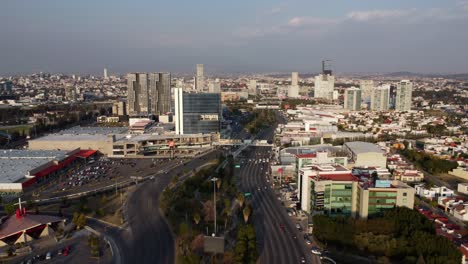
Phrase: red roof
[55,168]
[309,155]
[338,177]
[14,225]
[85,153]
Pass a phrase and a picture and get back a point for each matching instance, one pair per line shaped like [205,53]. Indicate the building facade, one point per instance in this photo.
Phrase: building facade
[352,99]
[6,87]
[119,109]
[367,86]
[380,98]
[148,93]
[324,86]
[252,87]
[197,112]
[376,200]
[404,95]
[200,79]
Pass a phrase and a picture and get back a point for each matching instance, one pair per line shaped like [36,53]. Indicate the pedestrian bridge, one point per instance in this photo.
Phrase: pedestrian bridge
[244,142]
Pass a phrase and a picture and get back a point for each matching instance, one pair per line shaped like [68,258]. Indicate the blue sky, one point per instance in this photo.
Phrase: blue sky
[85,36]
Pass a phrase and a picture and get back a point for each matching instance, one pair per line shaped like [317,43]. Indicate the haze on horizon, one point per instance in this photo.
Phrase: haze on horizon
[424,36]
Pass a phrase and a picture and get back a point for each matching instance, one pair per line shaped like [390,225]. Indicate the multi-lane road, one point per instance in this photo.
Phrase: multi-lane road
[279,241]
[148,237]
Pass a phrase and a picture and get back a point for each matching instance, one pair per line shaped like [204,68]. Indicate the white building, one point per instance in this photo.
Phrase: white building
[293,90]
[434,192]
[404,95]
[179,111]
[366,87]
[295,79]
[199,79]
[364,154]
[324,86]
[463,188]
[352,99]
[214,87]
[252,87]
[380,98]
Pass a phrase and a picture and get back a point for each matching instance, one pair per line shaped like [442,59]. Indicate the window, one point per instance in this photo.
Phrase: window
[405,194]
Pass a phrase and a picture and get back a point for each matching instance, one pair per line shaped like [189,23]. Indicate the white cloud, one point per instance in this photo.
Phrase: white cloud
[377,14]
[311,21]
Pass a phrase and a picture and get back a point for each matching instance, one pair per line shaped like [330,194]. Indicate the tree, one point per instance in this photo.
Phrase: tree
[79,219]
[246,213]
[10,209]
[241,199]
[196,218]
[94,242]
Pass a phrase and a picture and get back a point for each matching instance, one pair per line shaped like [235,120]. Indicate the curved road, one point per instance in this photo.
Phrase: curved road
[148,238]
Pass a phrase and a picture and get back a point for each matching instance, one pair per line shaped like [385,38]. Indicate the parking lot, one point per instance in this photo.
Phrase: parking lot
[97,173]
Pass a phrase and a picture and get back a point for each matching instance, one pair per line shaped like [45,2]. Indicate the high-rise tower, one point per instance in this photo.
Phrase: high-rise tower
[148,93]
[404,95]
[199,79]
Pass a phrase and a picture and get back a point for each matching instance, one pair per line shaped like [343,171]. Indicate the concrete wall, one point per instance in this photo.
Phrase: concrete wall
[459,172]
[104,147]
[371,159]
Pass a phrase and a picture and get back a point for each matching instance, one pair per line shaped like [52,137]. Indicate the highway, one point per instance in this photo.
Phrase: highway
[148,238]
[275,244]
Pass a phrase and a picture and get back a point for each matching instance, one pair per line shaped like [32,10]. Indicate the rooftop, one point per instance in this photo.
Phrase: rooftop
[363,147]
[16,164]
[14,225]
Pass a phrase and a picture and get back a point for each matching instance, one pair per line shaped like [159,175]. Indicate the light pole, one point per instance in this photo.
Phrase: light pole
[214,179]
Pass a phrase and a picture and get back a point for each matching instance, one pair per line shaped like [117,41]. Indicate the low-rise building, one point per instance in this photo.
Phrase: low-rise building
[433,192]
[335,190]
[384,195]
[363,154]
[463,188]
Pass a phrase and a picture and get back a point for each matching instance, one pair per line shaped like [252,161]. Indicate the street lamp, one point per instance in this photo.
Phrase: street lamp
[214,179]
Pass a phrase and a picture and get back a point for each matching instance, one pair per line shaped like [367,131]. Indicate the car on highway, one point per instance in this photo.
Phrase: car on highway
[48,255]
[298,226]
[66,251]
[316,251]
[303,260]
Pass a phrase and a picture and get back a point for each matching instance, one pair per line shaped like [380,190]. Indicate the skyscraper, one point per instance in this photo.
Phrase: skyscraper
[148,93]
[366,87]
[380,98]
[324,86]
[324,83]
[252,87]
[295,79]
[197,112]
[199,79]
[214,87]
[293,90]
[404,95]
[105,74]
[352,99]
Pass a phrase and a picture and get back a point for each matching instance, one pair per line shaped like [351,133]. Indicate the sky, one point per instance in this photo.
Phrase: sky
[241,36]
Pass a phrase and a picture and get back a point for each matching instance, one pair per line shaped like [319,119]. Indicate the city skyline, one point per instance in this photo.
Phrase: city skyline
[359,36]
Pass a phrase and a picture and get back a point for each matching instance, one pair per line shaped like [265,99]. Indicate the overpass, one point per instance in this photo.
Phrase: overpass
[244,142]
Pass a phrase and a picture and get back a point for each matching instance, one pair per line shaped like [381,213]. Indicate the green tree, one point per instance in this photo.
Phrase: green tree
[79,219]
[10,208]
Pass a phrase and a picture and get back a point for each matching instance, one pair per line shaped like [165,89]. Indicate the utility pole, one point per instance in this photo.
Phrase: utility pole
[214,199]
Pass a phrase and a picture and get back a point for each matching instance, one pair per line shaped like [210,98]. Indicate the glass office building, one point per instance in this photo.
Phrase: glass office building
[197,113]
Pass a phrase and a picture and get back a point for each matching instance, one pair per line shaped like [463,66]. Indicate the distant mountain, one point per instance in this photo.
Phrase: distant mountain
[459,76]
